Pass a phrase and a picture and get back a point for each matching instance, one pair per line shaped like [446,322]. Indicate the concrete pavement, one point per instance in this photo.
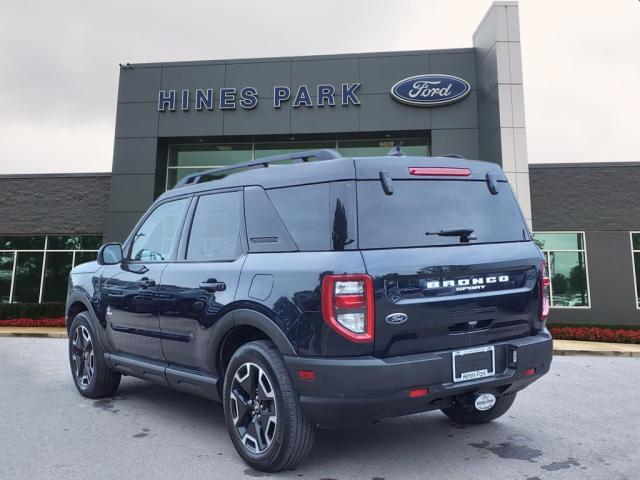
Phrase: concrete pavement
[577,422]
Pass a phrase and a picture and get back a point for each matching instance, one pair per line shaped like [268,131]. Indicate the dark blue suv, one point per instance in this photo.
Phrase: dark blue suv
[327,291]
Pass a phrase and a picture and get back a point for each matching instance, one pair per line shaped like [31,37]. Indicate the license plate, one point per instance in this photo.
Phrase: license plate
[473,363]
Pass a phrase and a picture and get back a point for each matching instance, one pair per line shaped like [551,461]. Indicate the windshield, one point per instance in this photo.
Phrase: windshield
[418,208]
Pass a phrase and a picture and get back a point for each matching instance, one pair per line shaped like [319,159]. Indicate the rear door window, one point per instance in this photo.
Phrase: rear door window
[419,206]
[216,228]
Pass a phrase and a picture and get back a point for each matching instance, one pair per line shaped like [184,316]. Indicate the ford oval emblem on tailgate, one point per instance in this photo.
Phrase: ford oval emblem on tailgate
[396,318]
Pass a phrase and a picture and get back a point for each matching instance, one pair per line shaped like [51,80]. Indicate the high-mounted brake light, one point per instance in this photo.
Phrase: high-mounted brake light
[439,171]
[347,306]
[545,282]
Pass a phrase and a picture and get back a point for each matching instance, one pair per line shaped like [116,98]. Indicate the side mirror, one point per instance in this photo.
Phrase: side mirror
[110,254]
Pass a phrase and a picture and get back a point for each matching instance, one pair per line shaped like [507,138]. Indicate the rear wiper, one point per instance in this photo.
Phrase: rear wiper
[463,233]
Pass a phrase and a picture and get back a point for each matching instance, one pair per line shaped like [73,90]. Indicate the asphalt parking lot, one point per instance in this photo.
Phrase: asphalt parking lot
[581,421]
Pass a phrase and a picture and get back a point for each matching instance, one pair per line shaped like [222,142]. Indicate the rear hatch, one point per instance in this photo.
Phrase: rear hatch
[450,253]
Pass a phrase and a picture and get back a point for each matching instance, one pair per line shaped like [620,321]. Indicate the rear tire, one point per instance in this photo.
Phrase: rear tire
[262,410]
[461,414]
[91,375]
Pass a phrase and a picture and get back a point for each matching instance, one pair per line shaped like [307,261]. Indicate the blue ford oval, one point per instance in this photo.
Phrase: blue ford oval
[430,90]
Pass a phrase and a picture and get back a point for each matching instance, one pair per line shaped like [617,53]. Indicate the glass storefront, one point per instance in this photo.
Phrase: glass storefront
[635,251]
[188,159]
[377,148]
[6,274]
[281,148]
[35,268]
[567,260]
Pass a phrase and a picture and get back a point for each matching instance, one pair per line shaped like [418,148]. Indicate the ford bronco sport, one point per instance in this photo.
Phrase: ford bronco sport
[320,293]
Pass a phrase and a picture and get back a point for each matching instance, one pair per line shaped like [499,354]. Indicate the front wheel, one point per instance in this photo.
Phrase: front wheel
[262,410]
[90,372]
[470,414]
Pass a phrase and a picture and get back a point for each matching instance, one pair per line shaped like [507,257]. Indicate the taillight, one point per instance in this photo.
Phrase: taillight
[347,306]
[545,281]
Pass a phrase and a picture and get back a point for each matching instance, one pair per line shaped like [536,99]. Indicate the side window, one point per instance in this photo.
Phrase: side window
[305,212]
[155,239]
[215,231]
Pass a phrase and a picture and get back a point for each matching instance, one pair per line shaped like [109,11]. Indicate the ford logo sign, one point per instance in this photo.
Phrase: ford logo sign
[430,90]
[395,318]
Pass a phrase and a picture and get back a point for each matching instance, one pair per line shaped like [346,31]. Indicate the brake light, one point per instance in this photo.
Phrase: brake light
[308,375]
[545,282]
[439,171]
[418,392]
[347,306]
[349,301]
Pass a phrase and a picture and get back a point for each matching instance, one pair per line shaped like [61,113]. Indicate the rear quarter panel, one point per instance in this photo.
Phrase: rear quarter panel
[289,284]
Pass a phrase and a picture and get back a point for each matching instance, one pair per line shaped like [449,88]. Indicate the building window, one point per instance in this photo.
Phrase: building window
[635,249]
[281,148]
[187,159]
[35,268]
[567,259]
[379,148]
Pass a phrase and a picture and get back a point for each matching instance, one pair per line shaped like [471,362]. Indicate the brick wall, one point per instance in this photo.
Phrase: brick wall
[54,203]
[585,197]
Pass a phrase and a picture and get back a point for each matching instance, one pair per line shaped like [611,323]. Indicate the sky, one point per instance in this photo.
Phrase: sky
[59,64]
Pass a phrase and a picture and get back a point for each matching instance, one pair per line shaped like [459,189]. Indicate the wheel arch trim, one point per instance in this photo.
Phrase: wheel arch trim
[75,297]
[250,318]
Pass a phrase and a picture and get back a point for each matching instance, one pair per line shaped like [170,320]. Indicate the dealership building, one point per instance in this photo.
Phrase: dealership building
[177,118]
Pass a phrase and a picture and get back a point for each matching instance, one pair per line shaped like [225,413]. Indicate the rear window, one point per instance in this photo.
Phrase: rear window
[419,206]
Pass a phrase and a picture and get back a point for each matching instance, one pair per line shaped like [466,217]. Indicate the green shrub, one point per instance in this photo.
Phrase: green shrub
[31,310]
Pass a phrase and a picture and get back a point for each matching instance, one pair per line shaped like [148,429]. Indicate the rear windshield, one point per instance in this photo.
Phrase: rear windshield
[420,206]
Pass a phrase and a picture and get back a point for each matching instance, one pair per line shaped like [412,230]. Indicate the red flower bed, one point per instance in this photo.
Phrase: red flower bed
[596,334]
[33,322]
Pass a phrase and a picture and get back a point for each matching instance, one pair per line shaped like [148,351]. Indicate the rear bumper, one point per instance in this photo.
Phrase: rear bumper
[359,389]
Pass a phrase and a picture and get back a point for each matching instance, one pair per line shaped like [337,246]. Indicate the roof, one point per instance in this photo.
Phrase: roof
[54,175]
[345,168]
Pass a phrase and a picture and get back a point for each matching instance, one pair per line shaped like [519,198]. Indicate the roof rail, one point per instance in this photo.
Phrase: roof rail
[323,154]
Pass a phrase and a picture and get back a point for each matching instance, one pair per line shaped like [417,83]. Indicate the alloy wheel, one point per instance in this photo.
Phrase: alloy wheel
[253,407]
[83,356]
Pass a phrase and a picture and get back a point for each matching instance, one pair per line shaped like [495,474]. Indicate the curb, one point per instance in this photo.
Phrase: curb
[35,333]
[594,353]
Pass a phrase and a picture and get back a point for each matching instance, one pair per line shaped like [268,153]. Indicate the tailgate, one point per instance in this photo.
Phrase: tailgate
[439,298]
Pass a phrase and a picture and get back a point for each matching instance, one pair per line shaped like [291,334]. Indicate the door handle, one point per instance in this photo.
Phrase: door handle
[146,282]
[212,285]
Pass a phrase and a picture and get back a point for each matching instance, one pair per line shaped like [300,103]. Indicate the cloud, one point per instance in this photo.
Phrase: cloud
[581,77]
[59,69]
